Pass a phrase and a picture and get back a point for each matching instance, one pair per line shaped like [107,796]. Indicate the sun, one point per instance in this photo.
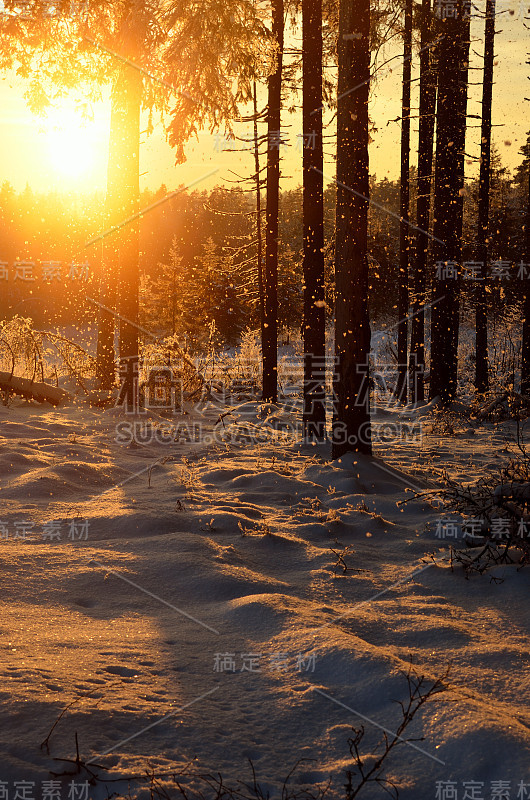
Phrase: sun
[71,143]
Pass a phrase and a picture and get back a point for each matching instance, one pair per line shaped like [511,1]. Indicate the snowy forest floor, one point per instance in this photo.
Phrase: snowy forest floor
[206,618]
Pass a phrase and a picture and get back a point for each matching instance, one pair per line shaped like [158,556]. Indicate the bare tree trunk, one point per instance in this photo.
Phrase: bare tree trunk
[174,302]
[261,299]
[129,275]
[351,422]
[481,314]
[314,326]
[115,212]
[119,288]
[270,325]
[108,287]
[453,55]
[105,362]
[525,355]
[423,204]
[404,237]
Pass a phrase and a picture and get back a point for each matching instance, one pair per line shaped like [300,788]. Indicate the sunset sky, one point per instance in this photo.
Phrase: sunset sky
[62,152]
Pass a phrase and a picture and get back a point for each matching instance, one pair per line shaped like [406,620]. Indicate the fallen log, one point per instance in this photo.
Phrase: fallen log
[485,411]
[33,390]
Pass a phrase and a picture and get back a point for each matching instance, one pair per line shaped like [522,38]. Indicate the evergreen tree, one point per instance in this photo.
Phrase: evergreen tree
[314,324]
[423,203]
[351,420]
[270,311]
[481,314]
[453,57]
[404,237]
[525,357]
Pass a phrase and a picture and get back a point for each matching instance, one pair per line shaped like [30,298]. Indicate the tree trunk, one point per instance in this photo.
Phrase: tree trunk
[351,422]
[108,289]
[404,237]
[270,325]
[423,204]
[120,269]
[481,314]
[129,276]
[525,355]
[111,244]
[314,325]
[105,362]
[261,299]
[453,57]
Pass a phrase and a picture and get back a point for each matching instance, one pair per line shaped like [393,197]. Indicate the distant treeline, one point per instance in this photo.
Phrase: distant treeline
[199,254]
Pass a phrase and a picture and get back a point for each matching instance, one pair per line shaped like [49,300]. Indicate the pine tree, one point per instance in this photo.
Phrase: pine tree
[525,355]
[404,238]
[521,172]
[259,237]
[453,57]
[270,324]
[481,315]
[423,202]
[167,292]
[314,323]
[213,295]
[351,420]
[120,281]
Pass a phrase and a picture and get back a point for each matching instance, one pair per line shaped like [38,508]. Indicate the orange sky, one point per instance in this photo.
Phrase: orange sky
[72,157]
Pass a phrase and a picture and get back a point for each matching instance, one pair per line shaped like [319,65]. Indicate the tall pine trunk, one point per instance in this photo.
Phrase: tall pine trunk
[351,421]
[314,324]
[259,245]
[481,314]
[108,284]
[119,287]
[270,324]
[453,55]
[525,355]
[129,275]
[404,238]
[423,204]
[116,210]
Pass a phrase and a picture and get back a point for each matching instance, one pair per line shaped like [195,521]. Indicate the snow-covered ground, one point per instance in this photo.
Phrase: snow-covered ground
[192,610]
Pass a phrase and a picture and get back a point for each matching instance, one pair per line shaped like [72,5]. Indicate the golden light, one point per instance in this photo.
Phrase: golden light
[72,143]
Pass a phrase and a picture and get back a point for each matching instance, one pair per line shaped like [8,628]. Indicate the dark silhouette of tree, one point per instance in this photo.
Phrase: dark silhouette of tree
[314,323]
[259,237]
[481,314]
[120,278]
[404,237]
[423,202]
[525,355]
[453,56]
[351,421]
[270,315]
[520,177]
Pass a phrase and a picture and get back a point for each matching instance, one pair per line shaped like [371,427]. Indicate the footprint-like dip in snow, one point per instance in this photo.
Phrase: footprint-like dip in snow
[125,672]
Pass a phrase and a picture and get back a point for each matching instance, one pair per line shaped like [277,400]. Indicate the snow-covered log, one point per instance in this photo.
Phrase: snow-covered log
[41,392]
